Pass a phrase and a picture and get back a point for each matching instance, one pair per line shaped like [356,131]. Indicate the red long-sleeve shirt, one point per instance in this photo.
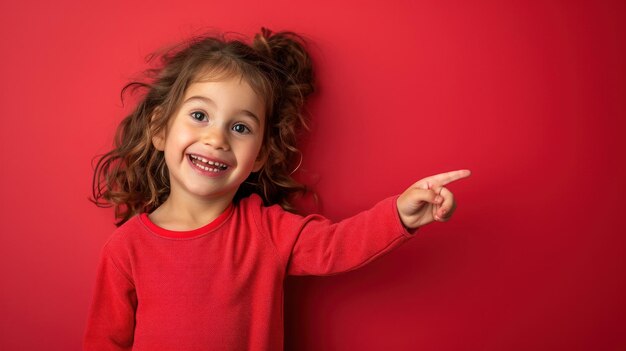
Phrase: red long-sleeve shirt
[220,287]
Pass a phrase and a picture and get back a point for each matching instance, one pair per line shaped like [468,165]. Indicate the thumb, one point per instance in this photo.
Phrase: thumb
[418,196]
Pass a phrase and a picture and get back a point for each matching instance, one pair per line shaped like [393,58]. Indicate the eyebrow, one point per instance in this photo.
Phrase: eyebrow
[211,102]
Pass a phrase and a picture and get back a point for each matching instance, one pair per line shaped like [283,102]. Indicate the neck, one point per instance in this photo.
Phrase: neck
[181,213]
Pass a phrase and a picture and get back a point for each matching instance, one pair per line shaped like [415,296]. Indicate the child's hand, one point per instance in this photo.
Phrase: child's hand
[428,200]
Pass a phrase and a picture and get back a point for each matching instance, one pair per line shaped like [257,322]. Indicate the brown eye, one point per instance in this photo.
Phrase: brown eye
[241,128]
[199,116]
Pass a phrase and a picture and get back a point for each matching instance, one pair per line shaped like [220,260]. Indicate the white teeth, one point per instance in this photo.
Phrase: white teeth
[207,168]
[217,166]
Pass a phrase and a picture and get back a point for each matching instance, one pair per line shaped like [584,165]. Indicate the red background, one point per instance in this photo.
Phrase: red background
[528,95]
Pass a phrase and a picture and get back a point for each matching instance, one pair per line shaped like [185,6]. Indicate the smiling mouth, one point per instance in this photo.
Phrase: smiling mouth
[209,166]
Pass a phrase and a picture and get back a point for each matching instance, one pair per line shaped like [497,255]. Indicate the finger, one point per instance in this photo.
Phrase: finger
[447,207]
[426,195]
[435,213]
[437,206]
[447,178]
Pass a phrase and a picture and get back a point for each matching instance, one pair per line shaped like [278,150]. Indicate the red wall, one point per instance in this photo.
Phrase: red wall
[528,95]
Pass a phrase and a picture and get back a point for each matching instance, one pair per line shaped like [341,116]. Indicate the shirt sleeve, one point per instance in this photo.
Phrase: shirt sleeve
[313,245]
[111,321]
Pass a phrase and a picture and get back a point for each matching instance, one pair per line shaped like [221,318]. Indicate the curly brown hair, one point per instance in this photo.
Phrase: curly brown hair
[133,176]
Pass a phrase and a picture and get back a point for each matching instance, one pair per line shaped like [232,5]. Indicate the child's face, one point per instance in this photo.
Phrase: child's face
[213,141]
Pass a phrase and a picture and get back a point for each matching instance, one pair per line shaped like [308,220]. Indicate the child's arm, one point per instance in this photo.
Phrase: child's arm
[111,322]
[313,245]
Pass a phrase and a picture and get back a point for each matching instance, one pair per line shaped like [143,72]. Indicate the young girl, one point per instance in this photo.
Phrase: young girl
[201,181]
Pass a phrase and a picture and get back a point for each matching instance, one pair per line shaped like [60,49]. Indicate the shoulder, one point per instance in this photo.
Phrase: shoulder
[253,200]
[268,218]
[253,204]
[124,236]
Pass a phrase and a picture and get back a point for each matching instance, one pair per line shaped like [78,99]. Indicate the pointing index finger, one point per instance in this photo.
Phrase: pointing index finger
[448,177]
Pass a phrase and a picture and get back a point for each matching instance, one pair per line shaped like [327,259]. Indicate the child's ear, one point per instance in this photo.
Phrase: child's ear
[260,160]
[158,138]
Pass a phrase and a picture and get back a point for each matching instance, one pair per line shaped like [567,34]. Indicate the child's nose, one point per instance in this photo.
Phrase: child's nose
[215,137]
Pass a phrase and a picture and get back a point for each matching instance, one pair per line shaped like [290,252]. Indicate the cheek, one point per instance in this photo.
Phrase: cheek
[250,153]
[179,138]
